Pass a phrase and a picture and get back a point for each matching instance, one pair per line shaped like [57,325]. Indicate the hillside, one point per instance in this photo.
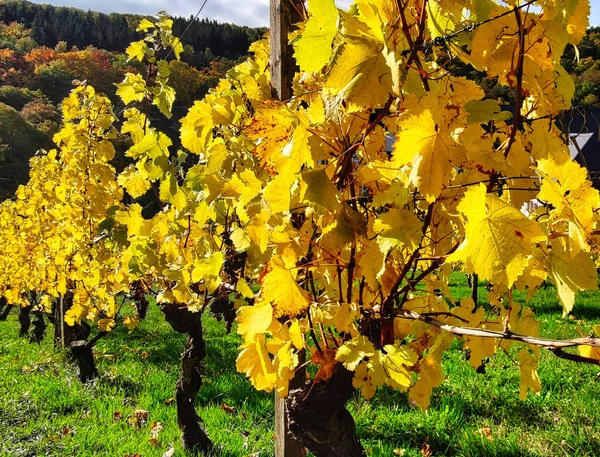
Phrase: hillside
[43,49]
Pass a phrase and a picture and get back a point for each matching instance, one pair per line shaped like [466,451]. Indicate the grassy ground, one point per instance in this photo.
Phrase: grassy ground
[45,411]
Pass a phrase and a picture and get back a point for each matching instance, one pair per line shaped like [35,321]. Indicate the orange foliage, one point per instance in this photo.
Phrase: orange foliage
[40,56]
[12,66]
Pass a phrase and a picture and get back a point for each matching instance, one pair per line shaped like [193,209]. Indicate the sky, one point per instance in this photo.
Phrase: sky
[253,13]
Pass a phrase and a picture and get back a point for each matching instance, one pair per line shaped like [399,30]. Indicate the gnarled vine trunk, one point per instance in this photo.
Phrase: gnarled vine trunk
[24,319]
[318,418]
[5,312]
[3,306]
[193,437]
[75,337]
[39,327]
[82,352]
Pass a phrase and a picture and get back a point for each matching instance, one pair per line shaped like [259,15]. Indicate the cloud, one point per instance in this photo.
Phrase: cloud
[253,13]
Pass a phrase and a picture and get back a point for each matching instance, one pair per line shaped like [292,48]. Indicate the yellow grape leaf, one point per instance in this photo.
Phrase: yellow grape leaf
[137,50]
[279,287]
[371,263]
[152,145]
[428,148]
[368,376]
[319,189]
[258,230]
[134,182]
[591,351]
[254,319]
[567,22]
[314,46]
[430,373]
[277,193]
[133,219]
[360,75]
[396,228]
[163,99]
[396,194]
[196,128]
[75,314]
[296,334]
[439,21]
[286,360]
[209,267]
[481,348]
[345,315]
[131,322]
[485,111]
[243,288]
[352,352]
[132,89]
[106,325]
[566,187]
[499,238]
[494,43]
[529,374]
[144,25]
[395,365]
[571,273]
[254,362]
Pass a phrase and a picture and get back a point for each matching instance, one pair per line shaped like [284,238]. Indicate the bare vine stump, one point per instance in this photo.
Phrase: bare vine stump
[193,437]
[82,351]
[39,327]
[24,319]
[318,418]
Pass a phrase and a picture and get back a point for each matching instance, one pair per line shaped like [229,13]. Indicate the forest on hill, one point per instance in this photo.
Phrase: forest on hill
[44,48]
[113,32]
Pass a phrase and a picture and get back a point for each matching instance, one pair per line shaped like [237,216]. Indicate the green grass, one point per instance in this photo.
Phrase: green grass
[46,411]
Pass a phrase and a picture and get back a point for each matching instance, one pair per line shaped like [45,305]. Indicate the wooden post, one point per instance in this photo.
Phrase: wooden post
[61,313]
[284,14]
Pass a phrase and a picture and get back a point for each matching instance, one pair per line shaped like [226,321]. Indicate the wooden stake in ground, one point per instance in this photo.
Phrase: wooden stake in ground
[284,13]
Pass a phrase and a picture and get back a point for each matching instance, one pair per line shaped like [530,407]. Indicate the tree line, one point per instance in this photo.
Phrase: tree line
[113,32]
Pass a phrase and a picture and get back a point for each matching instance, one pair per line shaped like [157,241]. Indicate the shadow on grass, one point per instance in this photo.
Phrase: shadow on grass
[447,427]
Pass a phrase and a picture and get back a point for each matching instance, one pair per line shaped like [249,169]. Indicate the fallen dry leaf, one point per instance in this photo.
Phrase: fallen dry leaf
[228,409]
[485,432]
[138,418]
[426,450]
